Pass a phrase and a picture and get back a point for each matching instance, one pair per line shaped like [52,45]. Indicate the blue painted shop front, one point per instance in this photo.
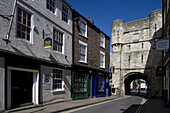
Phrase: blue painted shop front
[100,85]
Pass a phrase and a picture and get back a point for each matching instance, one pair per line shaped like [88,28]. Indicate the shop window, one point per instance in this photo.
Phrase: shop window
[102,59]
[100,85]
[102,40]
[58,41]
[51,5]
[64,14]
[83,52]
[23,24]
[80,83]
[58,80]
[83,27]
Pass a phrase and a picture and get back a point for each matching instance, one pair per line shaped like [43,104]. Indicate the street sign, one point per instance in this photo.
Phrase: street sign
[112,69]
[162,44]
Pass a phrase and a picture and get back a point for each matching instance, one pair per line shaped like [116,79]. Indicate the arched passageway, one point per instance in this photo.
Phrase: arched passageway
[133,76]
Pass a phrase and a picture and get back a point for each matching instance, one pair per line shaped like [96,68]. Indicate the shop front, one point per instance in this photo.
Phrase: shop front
[22,87]
[100,86]
[89,83]
[80,85]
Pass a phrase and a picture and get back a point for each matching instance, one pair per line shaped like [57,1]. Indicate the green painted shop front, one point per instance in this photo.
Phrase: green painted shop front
[82,83]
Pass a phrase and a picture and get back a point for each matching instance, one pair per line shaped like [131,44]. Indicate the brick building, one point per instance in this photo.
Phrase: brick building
[166,63]
[91,57]
[36,55]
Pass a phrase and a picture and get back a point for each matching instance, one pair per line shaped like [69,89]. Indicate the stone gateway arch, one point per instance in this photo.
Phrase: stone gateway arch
[134,55]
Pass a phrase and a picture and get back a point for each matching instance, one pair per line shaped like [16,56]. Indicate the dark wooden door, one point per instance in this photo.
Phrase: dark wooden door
[21,88]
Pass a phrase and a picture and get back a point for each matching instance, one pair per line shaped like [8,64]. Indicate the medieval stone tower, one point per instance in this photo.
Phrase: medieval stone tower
[134,55]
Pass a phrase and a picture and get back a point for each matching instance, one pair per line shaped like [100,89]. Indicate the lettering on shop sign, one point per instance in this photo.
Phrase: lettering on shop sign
[48,42]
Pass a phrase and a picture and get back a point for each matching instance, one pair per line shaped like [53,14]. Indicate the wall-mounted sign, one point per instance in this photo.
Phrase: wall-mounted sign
[46,82]
[48,42]
[112,69]
[162,44]
[160,71]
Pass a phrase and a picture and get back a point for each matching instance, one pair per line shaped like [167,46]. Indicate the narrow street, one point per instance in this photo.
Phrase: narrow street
[125,105]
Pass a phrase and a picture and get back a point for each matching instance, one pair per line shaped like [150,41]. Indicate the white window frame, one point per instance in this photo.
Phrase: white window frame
[167,5]
[164,16]
[63,40]
[62,89]
[64,13]
[102,37]
[102,53]
[84,44]
[31,26]
[85,22]
[50,5]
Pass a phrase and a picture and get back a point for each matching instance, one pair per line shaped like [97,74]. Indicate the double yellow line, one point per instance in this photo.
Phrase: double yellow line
[141,105]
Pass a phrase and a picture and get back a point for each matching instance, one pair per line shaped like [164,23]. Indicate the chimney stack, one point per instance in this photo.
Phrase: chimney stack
[90,19]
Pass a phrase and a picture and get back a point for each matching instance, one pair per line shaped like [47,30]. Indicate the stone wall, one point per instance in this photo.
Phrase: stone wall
[134,50]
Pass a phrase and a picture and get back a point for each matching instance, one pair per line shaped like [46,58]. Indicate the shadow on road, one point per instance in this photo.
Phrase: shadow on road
[131,109]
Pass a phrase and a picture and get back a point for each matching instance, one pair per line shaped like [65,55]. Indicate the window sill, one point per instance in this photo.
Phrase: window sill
[57,90]
[83,36]
[83,62]
[102,47]
[57,52]
[102,67]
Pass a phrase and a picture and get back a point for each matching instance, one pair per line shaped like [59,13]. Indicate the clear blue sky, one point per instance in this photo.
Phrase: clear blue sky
[104,12]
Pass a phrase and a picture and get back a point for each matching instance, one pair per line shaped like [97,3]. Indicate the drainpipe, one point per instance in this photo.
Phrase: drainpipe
[11,21]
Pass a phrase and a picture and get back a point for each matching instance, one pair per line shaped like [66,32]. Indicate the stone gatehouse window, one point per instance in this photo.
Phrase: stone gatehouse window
[51,5]
[23,24]
[64,14]
[58,41]
[58,81]
[83,52]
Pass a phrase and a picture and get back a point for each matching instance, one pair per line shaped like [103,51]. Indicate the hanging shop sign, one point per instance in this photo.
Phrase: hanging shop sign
[48,42]
[162,44]
[46,82]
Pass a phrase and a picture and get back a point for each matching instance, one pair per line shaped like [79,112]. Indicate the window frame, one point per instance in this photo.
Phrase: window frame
[62,89]
[63,45]
[84,44]
[66,13]
[53,7]
[31,24]
[102,37]
[102,53]
[85,23]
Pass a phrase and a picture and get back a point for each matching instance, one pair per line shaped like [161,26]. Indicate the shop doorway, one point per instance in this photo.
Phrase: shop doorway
[21,88]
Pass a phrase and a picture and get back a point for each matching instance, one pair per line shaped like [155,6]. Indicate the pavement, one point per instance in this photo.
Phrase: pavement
[61,106]
[155,105]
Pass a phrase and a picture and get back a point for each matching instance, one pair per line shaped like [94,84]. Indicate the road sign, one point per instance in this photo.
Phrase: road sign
[112,69]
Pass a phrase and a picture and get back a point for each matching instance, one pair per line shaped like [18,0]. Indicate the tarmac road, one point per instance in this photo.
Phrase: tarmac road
[131,104]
